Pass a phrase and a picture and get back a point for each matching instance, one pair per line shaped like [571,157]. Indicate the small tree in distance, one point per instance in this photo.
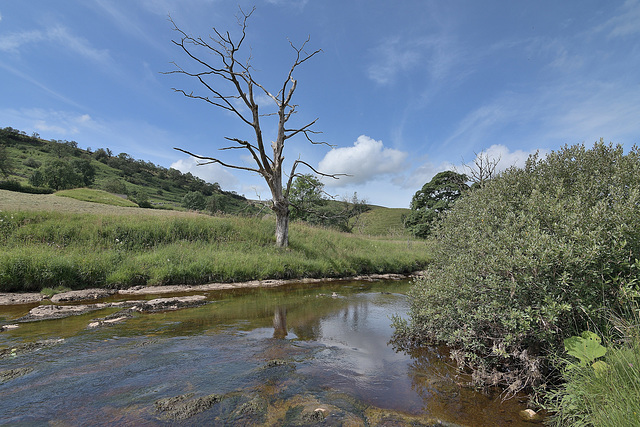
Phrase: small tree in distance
[434,198]
[228,83]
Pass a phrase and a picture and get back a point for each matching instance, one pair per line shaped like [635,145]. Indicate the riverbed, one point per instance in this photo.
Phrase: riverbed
[296,355]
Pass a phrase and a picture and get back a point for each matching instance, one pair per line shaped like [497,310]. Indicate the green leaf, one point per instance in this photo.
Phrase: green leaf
[600,368]
[586,348]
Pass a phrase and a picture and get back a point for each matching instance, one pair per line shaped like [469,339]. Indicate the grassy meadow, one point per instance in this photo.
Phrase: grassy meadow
[47,241]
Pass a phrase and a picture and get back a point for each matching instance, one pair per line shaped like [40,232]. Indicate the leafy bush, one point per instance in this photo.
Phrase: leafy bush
[194,200]
[59,174]
[13,185]
[32,163]
[115,186]
[529,260]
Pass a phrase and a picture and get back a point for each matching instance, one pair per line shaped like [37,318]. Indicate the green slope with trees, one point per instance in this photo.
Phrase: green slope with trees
[29,163]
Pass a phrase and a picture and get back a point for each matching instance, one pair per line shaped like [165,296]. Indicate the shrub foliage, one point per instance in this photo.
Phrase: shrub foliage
[529,260]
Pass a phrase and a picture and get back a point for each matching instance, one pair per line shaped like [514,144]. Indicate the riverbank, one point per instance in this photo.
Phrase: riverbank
[41,250]
[17,298]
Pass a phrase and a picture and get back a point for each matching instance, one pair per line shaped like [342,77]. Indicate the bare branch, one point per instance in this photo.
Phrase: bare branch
[483,168]
[293,174]
[211,160]
[228,84]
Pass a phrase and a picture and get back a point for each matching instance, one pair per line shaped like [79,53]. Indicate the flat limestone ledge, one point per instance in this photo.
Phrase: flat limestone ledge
[20,298]
[94,294]
[52,311]
[146,290]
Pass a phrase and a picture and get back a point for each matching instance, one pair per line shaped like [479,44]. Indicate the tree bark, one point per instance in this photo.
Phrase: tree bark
[282,224]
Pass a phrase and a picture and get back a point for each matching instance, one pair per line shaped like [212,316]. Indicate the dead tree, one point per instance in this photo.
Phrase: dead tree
[483,168]
[228,83]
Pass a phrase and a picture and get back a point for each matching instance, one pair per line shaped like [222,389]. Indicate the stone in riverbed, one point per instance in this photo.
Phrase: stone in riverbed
[9,374]
[185,406]
[46,312]
[20,298]
[82,295]
[162,304]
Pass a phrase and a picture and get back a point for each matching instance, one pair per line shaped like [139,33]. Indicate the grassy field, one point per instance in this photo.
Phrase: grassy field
[96,196]
[48,241]
[381,221]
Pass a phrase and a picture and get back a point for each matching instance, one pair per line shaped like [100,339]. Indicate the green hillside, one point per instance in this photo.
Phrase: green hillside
[120,180]
[137,181]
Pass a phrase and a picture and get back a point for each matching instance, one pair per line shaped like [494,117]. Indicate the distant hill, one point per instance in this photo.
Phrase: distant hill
[142,182]
[138,182]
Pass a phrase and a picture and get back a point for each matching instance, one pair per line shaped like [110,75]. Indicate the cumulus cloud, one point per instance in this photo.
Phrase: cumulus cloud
[365,161]
[210,173]
[507,157]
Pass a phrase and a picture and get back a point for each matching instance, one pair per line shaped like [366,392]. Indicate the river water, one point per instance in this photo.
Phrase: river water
[284,356]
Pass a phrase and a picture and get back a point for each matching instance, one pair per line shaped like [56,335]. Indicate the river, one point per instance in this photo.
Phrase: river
[286,356]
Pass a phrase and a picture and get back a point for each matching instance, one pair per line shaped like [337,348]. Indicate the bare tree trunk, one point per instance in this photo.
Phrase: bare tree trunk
[281,209]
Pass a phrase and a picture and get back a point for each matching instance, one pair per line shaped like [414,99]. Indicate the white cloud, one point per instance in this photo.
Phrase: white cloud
[79,45]
[12,42]
[299,4]
[506,158]
[58,35]
[422,174]
[55,124]
[210,173]
[625,23]
[436,54]
[367,160]
[392,57]
[35,82]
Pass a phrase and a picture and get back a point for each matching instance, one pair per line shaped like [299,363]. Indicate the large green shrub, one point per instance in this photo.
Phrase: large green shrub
[530,259]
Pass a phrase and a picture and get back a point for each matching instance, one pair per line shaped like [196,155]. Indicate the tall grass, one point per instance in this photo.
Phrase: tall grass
[50,249]
[603,397]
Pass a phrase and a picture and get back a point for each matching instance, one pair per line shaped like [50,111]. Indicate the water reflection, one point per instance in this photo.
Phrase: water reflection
[280,322]
[321,345]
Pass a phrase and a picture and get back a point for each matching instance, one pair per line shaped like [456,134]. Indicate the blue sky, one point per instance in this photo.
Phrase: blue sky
[402,89]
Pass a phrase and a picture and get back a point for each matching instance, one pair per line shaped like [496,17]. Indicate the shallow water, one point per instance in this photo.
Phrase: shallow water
[285,348]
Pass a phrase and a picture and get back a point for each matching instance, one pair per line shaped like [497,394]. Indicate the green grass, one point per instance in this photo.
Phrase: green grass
[605,391]
[45,249]
[96,196]
[609,398]
[381,221]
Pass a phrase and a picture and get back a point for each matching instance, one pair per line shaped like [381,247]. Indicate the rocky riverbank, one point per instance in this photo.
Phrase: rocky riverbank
[97,294]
